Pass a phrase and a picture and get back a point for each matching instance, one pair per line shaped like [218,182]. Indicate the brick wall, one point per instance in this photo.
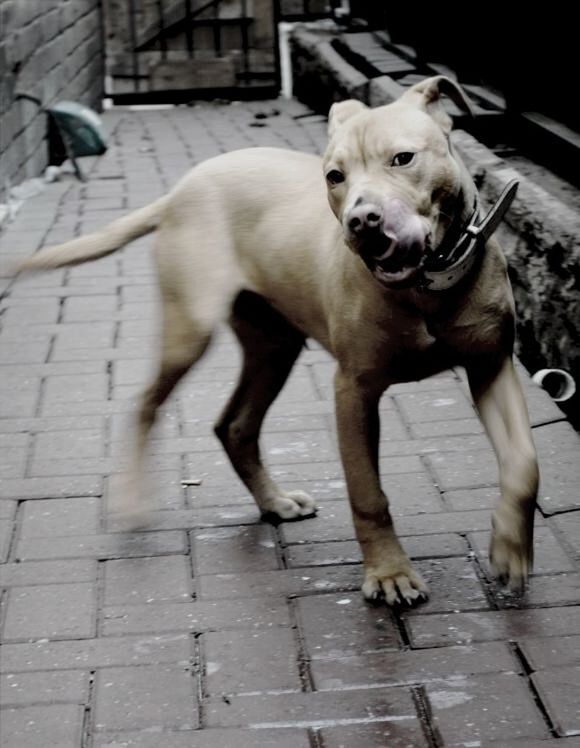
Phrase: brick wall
[53,50]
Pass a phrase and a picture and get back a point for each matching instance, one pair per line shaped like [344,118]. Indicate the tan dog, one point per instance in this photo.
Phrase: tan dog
[249,236]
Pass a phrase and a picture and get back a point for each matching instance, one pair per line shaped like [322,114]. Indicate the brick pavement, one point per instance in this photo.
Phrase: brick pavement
[211,628]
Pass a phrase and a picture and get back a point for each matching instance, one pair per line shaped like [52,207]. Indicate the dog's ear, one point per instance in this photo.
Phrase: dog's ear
[341,111]
[427,94]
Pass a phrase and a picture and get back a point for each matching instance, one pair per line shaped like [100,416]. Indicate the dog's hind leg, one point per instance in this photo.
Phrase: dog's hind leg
[270,348]
[183,342]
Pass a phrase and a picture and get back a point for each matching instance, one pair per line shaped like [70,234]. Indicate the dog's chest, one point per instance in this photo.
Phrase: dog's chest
[402,351]
[417,354]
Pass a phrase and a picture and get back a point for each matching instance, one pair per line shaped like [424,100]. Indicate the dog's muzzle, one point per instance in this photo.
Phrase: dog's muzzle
[389,238]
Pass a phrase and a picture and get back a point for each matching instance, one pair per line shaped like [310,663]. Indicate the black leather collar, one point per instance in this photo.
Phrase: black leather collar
[454,258]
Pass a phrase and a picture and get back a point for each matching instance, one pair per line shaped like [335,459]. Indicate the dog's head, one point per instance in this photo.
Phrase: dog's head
[392,179]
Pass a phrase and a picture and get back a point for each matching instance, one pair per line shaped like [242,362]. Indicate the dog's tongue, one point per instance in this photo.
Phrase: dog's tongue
[403,227]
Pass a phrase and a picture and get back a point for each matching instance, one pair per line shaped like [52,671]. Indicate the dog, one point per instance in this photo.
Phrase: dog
[389,267]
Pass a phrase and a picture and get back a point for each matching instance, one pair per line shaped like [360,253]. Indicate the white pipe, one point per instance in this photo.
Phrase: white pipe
[284,29]
[557,383]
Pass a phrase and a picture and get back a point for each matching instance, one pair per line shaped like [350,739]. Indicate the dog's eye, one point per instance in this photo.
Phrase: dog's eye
[335,176]
[402,159]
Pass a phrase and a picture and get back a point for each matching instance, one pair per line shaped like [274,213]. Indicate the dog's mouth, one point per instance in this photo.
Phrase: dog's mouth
[395,267]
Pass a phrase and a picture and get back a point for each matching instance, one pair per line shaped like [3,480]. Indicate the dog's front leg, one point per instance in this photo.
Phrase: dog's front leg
[388,571]
[500,401]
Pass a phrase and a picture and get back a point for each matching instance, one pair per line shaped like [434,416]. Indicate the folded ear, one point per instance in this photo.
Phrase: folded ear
[427,95]
[341,111]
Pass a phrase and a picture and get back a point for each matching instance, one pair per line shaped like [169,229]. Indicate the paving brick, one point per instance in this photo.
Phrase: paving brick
[41,726]
[41,488]
[469,499]
[103,547]
[568,528]
[454,443]
[492,707]
[428,524]
[391,705]
[59,686]
[140,697]
[214,738]
[147,580]
[65,611]
[338,625]
[89,308]
[456,426]
[559,690]
[8,509]
[541,407]
[413,493]
[206,615]
[280,583]
[465,470]
[446,403]
[235,662]
[74,388]
[80,335]
[559,479]
[88,654]
[13,462]
[79,444]
[48,572]
[30,311]
[453,585]
[298,447]
[104,465]
[554,438]
[543,654]
[411,667]
[234,549]
[14,404]
[324,554]
[60,517]
[24,352]
[332,522]
[441,630]
[407,734]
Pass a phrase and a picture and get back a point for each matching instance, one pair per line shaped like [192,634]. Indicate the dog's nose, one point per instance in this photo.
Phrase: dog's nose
[364,217]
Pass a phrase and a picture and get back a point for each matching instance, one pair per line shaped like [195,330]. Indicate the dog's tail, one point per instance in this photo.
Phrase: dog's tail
[100,243]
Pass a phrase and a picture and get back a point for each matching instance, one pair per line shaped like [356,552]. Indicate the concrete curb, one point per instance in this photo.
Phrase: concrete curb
[540,236]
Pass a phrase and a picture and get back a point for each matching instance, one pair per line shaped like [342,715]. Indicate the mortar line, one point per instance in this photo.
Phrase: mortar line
[303,660]
[423,707]
[528,672]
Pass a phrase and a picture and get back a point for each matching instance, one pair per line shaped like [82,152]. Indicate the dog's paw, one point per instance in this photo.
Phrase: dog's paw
[511,550]
[396,586]
[288,506]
